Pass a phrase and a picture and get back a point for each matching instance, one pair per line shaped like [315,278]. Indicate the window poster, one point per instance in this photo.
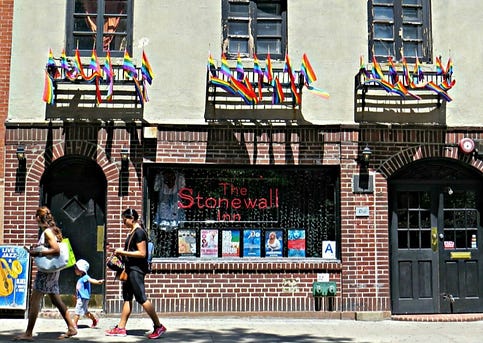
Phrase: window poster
[273,243]
[209,243]
[230,243]
[187,242]
[296,243]
[252,243]
[14,277]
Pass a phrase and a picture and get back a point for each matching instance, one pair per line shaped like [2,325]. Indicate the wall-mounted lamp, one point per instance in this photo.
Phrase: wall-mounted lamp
[365,155]
[124,154]
[20,153]
[449,190]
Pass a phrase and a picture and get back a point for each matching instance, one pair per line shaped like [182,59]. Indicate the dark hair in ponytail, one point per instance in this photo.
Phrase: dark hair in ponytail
[130,213]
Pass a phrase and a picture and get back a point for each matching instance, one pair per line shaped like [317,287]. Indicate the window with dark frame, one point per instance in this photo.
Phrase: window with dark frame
[101,25]
[185,203]
[400,28]
[255,26]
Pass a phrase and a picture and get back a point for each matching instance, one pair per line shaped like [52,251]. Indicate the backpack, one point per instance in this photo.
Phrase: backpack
[150,254]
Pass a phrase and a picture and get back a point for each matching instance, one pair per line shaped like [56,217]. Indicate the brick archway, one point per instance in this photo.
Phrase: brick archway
[412,154]
[96,153]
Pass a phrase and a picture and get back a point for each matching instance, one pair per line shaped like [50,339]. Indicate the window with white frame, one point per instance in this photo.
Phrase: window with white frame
[101,25]
[254,26]
[400,28]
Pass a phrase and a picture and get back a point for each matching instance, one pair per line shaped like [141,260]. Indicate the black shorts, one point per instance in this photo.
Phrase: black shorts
[134,287]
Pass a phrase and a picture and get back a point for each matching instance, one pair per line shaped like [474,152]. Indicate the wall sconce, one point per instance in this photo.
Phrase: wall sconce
[124,154]
[365,155]
[20,153]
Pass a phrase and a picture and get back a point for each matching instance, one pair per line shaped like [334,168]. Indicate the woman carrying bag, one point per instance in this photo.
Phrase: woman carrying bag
[46,283]
[135,257]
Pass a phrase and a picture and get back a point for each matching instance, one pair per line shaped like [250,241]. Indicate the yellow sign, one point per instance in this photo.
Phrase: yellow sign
[460,255]
[100,238]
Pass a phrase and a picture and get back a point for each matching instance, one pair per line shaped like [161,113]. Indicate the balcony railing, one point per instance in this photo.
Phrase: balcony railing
[374,102]
[222,105]
[77,99]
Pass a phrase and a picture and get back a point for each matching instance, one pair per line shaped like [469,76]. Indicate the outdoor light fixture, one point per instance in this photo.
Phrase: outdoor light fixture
[124,154]
[365,155]
[20,153]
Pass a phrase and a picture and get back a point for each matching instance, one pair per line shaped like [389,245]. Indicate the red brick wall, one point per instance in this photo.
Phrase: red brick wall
[6,8]
[260,285]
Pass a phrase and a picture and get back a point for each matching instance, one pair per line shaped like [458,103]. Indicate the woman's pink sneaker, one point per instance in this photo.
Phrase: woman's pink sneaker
[157,332]
[116,332]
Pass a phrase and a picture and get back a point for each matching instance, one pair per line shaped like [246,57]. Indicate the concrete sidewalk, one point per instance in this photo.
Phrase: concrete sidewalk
[256,330]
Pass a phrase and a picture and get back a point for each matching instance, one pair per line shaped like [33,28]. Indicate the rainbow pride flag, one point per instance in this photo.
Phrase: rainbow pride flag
[307,71]
[48,95]
[212,66]
[268,69]
[278,97]
[128,66]
[225,68]
[240,73]
[146,70]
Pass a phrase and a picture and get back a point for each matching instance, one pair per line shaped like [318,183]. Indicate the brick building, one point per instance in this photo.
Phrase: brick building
[377,188]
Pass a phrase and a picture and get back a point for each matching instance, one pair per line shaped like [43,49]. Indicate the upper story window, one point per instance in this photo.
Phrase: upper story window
[255,26]
[400,28]
[99,24]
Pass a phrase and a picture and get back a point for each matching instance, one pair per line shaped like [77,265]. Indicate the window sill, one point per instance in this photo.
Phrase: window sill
[245,264]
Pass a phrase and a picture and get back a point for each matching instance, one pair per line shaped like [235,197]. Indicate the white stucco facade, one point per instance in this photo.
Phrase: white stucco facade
[179,35]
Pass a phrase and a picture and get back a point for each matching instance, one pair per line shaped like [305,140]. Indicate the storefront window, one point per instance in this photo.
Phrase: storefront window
[215,212]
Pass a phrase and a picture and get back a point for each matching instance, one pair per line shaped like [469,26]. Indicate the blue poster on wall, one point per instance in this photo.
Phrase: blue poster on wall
[252,243]
[296,243]
[14,277]
[273,243]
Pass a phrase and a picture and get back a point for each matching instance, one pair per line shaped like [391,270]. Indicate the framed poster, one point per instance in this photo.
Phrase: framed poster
[252,243]
[187,242]
[273,243]
[209,243]
[230,243]
[296,243]
[14,277]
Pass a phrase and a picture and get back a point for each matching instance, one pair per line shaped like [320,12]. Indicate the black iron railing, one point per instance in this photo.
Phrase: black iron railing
[79,98]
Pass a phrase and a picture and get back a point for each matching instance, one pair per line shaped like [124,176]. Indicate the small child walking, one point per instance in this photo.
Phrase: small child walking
[83,292]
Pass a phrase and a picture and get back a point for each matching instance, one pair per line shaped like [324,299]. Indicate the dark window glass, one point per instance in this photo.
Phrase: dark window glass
[414,220]
[460,218]
[400,28]
[412,14]
[99,24]
[216,198]
[254,26]
[383,13]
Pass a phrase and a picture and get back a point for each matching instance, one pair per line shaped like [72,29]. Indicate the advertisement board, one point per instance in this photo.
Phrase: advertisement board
[14,277]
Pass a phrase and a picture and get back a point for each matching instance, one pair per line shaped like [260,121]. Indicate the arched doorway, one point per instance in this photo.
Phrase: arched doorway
[436,238]
[74,187]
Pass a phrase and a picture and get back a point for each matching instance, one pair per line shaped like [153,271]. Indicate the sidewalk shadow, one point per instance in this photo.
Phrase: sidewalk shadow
[186,335]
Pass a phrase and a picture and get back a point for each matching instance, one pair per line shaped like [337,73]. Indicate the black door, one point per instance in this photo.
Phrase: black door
[75,190]
[436,260]
[461,262]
